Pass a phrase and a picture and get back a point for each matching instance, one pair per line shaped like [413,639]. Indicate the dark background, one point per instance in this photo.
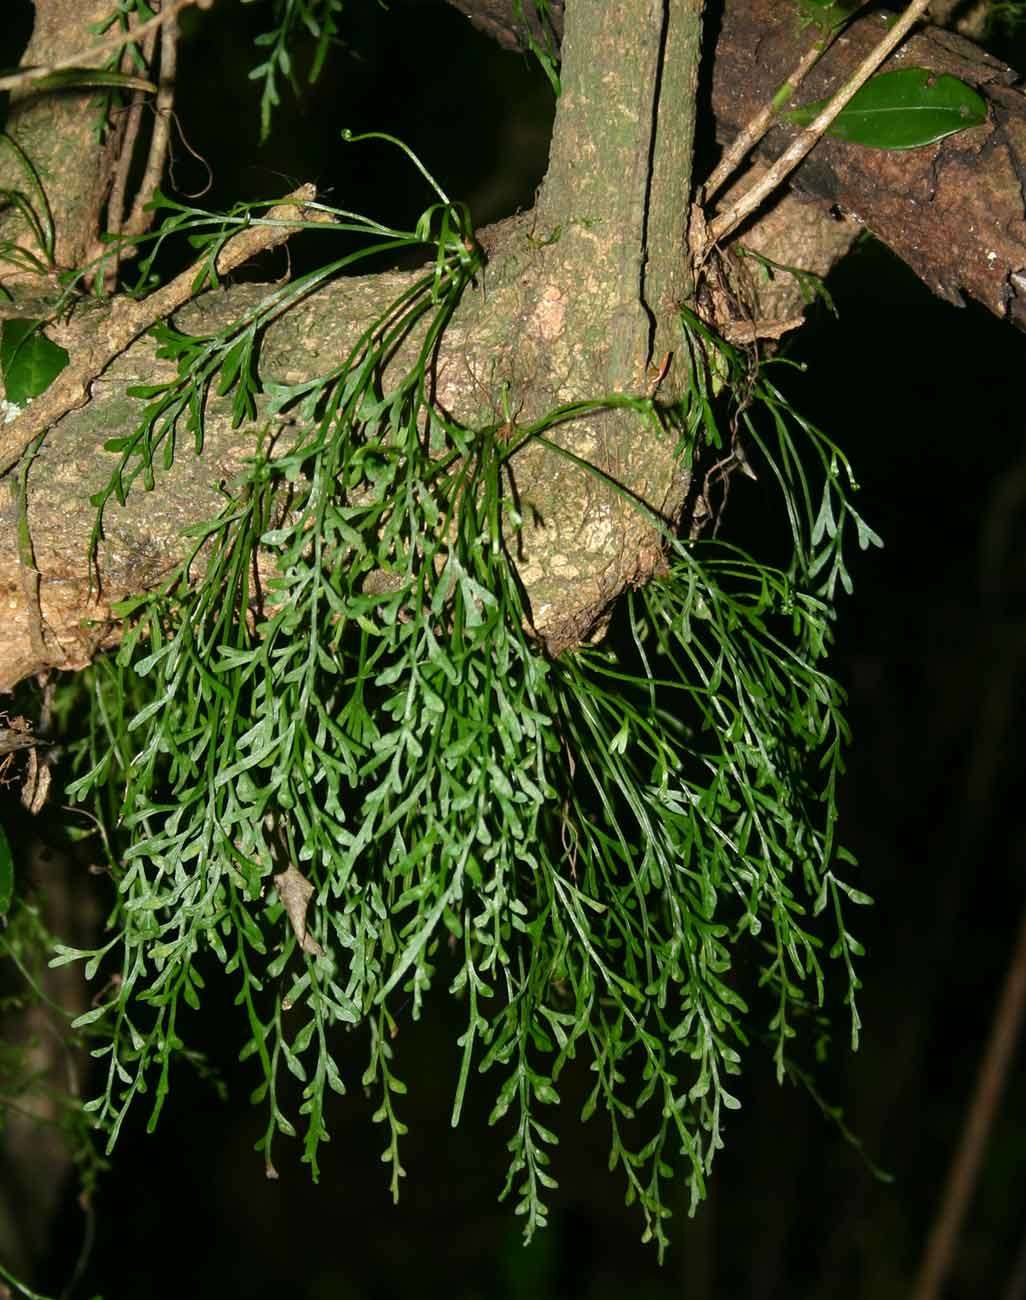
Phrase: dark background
[928,403]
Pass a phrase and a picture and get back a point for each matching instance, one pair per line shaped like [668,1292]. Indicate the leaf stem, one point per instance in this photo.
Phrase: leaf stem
[756,128]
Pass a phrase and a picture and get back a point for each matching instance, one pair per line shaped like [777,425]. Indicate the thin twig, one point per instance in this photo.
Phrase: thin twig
[82,57]
[746,140]
[728,221]
[139,218]
[990,1081]
[118,190]
[757,127]
[128,319]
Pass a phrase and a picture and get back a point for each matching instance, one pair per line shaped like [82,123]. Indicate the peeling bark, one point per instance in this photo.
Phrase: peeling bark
[955,211]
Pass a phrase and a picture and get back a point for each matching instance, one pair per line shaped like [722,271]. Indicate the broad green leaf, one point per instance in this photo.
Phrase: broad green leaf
[6,873]
[902,110]
[29,361]
[826,14]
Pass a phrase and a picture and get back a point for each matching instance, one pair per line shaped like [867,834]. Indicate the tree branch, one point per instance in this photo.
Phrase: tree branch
[93,349]
[954,211]
[605,243]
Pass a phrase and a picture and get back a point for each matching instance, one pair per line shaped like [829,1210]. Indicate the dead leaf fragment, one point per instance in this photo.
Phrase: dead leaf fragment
[295,892]
[16,733]
[36,785]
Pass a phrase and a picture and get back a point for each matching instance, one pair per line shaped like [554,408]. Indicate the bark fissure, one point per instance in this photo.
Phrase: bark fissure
[644,287]
[667,276]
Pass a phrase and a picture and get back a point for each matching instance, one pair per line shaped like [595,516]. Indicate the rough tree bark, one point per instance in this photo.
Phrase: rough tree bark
[578,315]
[576,306]
[954,211]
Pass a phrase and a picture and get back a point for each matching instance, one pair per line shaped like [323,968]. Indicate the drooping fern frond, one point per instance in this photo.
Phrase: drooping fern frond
[289,20]
[348,774]
[545,45]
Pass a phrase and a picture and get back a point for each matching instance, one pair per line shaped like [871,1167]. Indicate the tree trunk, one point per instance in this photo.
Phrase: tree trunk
[578,301]
[954,211]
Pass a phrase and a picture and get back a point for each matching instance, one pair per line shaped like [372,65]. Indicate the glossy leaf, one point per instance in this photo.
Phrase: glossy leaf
[826,14]
[6,873]
[29,361]
[904,109]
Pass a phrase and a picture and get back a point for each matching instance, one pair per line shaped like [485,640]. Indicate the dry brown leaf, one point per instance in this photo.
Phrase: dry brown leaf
[295,892]
[36,785]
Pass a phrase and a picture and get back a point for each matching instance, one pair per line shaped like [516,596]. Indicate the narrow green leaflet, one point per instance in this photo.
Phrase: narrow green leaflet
[575,847]
[6,873]
[29,361]
[902,110]
[70,78]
